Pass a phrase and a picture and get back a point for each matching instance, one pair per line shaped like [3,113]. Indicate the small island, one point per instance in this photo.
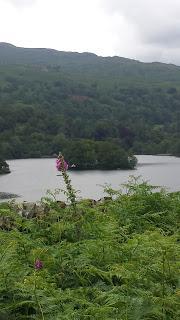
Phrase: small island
[97,155]
[4,167]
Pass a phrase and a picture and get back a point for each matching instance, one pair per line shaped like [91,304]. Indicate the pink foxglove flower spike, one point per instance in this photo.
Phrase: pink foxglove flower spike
[38,264]
[61,164]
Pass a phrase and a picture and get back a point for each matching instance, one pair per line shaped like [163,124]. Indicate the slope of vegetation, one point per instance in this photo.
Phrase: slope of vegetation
[117,259]
[50,100]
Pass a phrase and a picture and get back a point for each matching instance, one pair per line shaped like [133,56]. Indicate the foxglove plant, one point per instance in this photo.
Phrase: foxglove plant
[38,264]
[62,166]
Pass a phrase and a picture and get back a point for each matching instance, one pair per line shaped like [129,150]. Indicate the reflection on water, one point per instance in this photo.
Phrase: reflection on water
[30,178]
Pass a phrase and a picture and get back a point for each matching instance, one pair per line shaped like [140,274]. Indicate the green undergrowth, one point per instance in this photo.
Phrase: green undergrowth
[117,259]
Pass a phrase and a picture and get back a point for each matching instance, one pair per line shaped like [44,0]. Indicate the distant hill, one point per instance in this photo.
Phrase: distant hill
[91,64]
[52,100]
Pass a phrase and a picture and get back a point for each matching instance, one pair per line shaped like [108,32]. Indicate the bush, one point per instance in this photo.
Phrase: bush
[117,259]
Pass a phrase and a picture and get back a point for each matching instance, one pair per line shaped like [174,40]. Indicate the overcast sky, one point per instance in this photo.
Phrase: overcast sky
[147,30]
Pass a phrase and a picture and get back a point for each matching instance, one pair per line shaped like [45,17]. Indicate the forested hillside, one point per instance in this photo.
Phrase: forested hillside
[115,258]
[48,99]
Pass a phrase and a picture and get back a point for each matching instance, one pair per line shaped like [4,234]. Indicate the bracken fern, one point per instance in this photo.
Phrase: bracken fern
[124,263]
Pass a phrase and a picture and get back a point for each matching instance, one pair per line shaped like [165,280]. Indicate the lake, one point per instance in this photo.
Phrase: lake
[30,178]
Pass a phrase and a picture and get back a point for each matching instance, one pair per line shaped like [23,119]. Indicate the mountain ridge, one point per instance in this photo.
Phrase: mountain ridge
[9,45]
[6,45]
[89,66]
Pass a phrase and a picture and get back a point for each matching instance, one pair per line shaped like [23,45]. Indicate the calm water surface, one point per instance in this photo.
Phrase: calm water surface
[30,178]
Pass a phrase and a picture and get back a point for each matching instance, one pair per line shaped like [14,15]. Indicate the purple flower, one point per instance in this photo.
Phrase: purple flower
[61,164]
[38,264]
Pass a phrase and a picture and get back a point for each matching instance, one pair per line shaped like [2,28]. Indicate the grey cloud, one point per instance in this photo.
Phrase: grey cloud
[157,21]
[156,24]
[165,38]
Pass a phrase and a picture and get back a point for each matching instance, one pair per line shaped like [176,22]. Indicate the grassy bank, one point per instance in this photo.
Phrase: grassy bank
[115,259]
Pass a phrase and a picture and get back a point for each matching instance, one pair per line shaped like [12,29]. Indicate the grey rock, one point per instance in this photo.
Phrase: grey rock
[30,210]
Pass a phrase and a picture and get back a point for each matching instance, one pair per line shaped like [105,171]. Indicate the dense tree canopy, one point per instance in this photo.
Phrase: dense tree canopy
[85,100]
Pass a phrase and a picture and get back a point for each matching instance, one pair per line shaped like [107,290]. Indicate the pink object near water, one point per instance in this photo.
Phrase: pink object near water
[60,165]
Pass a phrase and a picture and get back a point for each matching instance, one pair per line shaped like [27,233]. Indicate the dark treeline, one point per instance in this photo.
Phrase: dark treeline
[44,109]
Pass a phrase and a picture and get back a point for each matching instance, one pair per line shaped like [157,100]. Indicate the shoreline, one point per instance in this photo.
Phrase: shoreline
[7,196]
